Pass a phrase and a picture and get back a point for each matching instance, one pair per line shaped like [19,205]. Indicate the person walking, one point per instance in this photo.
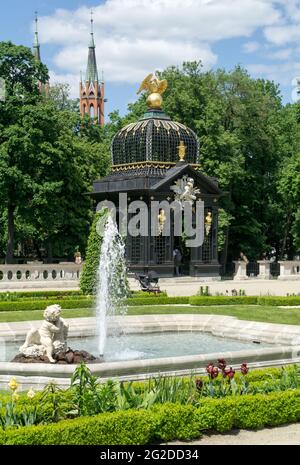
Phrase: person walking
[177,261]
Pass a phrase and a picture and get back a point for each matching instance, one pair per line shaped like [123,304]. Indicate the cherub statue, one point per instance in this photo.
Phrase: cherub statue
[184,190]
[51,337]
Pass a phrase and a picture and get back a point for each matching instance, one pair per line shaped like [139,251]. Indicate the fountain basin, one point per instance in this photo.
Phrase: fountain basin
[285,348]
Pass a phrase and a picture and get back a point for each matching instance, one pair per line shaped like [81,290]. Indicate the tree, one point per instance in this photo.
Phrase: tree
[47,165]
[21,74]
[60,94]
[88,279]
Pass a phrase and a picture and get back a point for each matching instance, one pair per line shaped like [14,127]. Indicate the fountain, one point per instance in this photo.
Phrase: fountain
[112,281]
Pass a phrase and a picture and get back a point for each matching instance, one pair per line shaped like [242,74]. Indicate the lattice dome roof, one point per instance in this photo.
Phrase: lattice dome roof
[155,137]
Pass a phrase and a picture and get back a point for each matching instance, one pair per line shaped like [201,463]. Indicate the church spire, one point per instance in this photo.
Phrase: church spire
[36,44]
[92,90]
[91,70]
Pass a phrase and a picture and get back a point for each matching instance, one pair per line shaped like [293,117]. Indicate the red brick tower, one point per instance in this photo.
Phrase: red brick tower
[92,90]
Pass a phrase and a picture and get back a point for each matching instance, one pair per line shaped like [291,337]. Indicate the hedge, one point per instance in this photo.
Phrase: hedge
[274,300]
[87,302]
[223,300]
[157,301]
[41,304]
[12,296]
[164,422]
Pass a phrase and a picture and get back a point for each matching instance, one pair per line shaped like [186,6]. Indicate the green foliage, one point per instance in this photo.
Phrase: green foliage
[276,301]
[41,295]
[223,300]
[156,300]
[46,161]
[164,422]
[88,279]
[41,304]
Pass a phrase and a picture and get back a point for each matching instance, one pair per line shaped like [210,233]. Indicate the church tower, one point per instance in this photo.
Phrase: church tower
[91,89]
[44,88]
[36,44]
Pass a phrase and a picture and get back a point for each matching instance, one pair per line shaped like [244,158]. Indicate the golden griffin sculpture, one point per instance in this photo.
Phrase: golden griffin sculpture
[155,88]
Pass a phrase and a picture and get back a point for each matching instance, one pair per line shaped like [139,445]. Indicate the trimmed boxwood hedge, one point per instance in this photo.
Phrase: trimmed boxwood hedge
[13,296]
[157,301]
[276,301]
[164,422]
[87,302]
[223,300]
[80,301]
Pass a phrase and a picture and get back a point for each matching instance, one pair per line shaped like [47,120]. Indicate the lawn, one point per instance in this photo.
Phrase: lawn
[268,314]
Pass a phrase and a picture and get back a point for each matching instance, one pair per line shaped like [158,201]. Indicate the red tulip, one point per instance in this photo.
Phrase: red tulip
[244,368]
[221,364]
[229,372]
[209,368]
[214,373]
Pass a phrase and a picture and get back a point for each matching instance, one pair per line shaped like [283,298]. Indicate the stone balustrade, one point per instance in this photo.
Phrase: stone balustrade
[289,269]
[39,275]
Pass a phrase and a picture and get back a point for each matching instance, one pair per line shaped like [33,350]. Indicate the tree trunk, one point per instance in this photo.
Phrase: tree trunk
[9,259]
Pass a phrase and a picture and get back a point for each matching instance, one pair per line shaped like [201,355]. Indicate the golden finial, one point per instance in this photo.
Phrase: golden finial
[181,150]
[156,88]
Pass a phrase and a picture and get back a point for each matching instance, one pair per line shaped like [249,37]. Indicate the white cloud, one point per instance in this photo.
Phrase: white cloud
[250,47]
[278,72]
[282,54]
[71,79]
[281,35]
[134,37]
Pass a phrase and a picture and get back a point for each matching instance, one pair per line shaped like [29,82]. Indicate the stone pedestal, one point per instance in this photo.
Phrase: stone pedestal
[240,271]
[289,269]
[264,269]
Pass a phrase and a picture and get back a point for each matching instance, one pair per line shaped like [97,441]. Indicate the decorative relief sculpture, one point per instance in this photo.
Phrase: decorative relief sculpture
[184,190]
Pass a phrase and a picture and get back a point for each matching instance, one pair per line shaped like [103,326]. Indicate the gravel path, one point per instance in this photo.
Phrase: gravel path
[287,435]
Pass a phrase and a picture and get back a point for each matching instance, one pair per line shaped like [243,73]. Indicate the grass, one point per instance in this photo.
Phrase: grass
[290,316]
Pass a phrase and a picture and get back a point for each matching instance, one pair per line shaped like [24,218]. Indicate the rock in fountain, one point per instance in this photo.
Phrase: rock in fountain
[49,342]
[112,281]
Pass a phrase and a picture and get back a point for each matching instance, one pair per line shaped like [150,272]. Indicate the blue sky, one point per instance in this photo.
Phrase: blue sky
[135,37]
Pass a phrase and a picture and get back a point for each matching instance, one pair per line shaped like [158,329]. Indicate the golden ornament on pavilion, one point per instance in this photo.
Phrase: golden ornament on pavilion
[155,88]
[181,150]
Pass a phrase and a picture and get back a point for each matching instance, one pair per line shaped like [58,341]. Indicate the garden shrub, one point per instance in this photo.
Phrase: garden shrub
[157,301]
[125,428]
[164,422]
[175,421]
[223,300]
[87,302]
[41,304]
[276,301]
[88,279]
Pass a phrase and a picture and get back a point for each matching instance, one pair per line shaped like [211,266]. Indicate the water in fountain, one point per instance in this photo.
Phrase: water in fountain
[112,281]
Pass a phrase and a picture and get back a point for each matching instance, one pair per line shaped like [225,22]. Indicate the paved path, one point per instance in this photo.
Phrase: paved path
[287,435]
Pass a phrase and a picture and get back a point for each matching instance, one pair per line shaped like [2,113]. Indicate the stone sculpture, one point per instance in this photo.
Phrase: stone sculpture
[50,338]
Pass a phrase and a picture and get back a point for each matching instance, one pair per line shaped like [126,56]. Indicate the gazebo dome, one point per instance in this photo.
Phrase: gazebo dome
[155,137]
